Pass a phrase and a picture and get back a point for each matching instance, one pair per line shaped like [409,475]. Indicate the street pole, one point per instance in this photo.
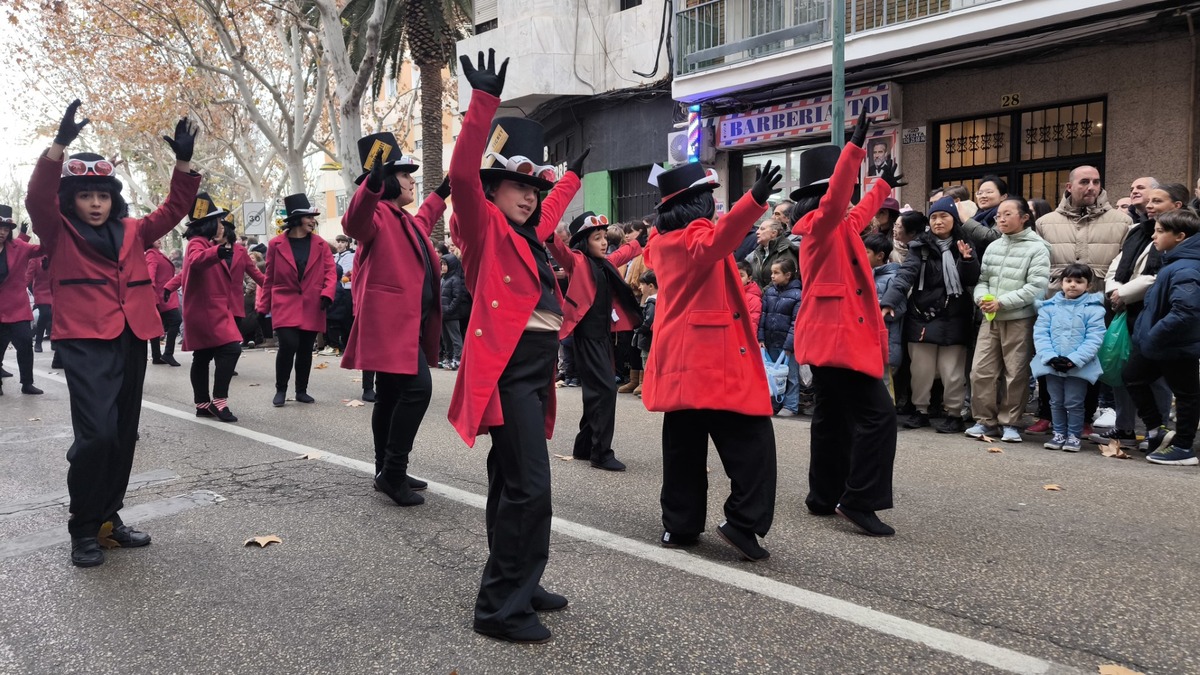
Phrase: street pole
[838,116]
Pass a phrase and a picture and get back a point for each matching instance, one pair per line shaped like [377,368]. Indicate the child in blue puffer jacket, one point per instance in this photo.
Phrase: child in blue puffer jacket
[1066,338]
[776,328]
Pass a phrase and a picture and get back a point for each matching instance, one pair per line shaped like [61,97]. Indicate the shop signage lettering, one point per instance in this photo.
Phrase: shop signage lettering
[801,118]
[913,136]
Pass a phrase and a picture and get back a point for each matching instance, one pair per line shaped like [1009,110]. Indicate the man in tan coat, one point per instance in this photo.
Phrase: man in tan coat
[1084,228]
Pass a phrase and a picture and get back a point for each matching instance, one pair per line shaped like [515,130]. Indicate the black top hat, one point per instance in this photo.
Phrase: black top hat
[297,206]
[816,168]
[88,168]
[382,147]
[204,209]
[6,215]
[515,151]
[581,228]
[683,182]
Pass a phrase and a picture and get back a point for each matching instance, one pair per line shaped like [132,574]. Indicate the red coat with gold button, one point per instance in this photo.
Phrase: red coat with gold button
[241,266]
[14,299]
[581,292]
[706,354]
[94,297]
[162,271]
[207,318]
[500,273]
[291,301]
[839,324]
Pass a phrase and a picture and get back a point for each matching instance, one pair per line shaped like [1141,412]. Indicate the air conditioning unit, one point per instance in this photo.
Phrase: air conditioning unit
[677,143]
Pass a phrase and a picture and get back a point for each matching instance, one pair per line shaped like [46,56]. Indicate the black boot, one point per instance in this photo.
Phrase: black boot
[303,397]
[56,362]
[402,494]
[866,521]
[170,360]
[128,537]
[417,484]
[30,389]
[280,398]
[368,396]
[37,346]
[86,552]
[951,425]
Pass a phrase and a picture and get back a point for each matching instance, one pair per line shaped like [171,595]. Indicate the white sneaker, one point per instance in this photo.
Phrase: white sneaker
[1011,435]
[328,351]
[1106,418]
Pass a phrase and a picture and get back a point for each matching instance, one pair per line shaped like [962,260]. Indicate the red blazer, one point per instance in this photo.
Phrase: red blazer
[839,324]
[389,270]
[290,302]
[96,298]
[581,292]
[14,298]
[500,273]
[39,277]
[162,270]
[207,318]
[241,265]
[706,354]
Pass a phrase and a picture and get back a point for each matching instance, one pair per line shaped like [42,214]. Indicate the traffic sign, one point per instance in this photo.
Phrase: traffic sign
[254,216]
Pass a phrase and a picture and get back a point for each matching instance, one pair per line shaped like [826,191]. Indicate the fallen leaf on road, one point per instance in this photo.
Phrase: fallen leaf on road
[1114,669]
[987,439]
[356,379]
[253,384]
[105,535]
[263,541]
[560,384]
[35,419]
[565,458]
[321,366]
[996,450]
[312,455]
[1113,449]
[1052,487]
[271,351]
[355,404]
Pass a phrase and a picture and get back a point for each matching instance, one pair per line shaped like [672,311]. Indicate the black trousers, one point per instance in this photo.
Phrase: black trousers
[1182,376]
[295,349]
[518,502]
[1090,402]
[226,358]
[400,405]
[20,334]
[337,332]
[368,379]
[853,442]
[746,445]
[567,363]
[104,380]
[594,363]
[172,319]
[45,319]
[250,328]
[627,357]
[452,340]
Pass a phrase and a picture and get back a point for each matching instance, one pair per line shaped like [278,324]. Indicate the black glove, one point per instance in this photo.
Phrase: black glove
[485,78]
[68,129]
[1061,363]
[443,190]
[764,184]
[860,130]
[225,252]
[45,262]
[184,142]
[644,237]
[24,228]
[892,176]
[575,166]
[166,295]
[375,177]
[325,303]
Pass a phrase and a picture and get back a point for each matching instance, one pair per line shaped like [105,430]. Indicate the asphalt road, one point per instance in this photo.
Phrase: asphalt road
[989,571]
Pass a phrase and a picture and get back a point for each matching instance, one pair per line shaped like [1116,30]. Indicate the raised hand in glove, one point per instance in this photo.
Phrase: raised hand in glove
[892,176]
[644,237]
[575,166]
[68,128]
[185,140]
[375,177]
[225,252]
[485,78]
[860,129]
[764,183]
[443,190]
[24,228]
[325,303]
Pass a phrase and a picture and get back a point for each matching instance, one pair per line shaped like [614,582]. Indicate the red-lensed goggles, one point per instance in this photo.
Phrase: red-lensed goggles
[84,167]
[523,165]
[596,221]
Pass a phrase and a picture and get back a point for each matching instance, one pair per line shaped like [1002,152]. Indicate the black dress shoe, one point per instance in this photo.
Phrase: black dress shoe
[403,495]
[56,362]
[610,464]
[368,396]
[303,397]
[280,398]
[37,347]
[545,601]
[128,537]
[673,540]
[5,373]
[31,390]
[917,420]
[224,414]
[417,483]
[86,552]
[746,543]
[951,425]
[170,361]
[158,362]
[866,521]
[820,510]
[533,635]
[205,410]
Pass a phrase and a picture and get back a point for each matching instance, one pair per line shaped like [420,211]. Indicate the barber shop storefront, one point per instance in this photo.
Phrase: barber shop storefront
[781,133]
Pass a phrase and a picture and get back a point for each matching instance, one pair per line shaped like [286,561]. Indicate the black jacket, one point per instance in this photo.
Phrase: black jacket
[644,334]
[456,300]
[932,316]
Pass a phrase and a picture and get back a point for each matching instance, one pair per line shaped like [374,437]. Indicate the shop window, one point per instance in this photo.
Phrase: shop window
[633,196]
[978,142]
[1062,131]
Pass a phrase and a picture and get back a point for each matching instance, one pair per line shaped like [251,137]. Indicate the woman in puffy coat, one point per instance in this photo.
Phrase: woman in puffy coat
[940,268]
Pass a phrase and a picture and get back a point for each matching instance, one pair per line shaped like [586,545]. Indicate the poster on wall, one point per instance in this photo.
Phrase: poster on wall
[883,152]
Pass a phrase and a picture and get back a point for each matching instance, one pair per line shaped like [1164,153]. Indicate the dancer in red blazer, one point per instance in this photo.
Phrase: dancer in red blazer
[162,273]
[240,267]
[15,314]
[107,311]
[705,371]
[505,384]
[599,303]
[398,309]
[840,333]
[209,329]
[301,279]
[38,278]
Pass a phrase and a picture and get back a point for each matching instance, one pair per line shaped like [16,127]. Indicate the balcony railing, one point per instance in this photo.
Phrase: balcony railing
[716,33]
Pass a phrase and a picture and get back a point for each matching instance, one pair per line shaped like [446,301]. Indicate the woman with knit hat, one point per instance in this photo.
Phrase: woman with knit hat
[301,280]
[107,311]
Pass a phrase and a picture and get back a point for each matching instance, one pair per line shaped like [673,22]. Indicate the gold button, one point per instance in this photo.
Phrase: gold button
[478,332]
[495,304]
[507,279]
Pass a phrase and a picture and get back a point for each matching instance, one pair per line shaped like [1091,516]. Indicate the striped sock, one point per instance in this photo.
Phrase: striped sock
[202,406]
[221,403]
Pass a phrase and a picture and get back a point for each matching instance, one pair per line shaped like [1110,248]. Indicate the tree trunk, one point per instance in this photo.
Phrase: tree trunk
[432,173]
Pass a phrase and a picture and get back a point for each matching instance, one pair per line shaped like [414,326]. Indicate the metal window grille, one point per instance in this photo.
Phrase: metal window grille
[632,195]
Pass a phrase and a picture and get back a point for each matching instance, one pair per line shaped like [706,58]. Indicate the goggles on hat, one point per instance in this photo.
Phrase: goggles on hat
[84,167]
[596,221]
[523,165]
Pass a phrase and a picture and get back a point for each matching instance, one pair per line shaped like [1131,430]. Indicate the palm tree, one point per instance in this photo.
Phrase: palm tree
[428,29]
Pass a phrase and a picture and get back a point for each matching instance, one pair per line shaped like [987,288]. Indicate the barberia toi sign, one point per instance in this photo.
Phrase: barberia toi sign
[802,118]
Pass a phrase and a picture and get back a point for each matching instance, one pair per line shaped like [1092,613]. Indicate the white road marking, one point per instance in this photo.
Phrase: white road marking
[136,482]
[1001,658]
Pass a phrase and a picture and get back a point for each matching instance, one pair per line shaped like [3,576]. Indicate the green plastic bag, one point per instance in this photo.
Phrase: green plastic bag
[1114,351]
